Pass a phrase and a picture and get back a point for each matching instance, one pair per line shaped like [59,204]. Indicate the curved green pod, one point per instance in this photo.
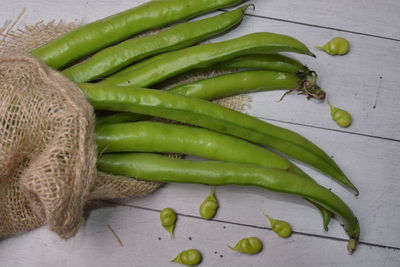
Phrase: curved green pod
[160,137]
[239,82]
[170,64]
[94,36]
[114,58]
[161,168]
[275,62]
[212,116]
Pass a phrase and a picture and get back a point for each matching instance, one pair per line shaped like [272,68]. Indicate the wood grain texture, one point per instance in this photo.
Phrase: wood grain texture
[365,82]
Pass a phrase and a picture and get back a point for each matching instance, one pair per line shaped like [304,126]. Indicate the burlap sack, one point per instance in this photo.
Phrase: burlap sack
[47,143]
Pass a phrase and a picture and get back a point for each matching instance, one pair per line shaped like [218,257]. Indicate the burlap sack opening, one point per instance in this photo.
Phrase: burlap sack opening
[47,145]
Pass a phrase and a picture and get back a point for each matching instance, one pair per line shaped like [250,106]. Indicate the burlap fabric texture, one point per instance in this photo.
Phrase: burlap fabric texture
[47,144]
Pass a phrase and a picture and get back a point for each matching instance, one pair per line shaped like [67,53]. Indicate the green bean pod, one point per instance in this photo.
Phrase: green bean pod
[160,137]
[239,82]
[112,59]
[173,63]
[275,62]
[209,115]
[161,168]
[94,36]
[148,136]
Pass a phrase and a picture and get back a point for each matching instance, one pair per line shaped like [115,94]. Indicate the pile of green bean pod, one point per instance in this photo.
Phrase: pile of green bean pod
[160,137]
[203,55]
[102,33]
[209,115]
[231,141]
[212,116]
[112,59]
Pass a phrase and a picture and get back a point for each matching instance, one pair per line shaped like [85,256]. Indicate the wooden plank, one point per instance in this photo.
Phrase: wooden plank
[372,164]
[145,243]
[368,16]
[353,82]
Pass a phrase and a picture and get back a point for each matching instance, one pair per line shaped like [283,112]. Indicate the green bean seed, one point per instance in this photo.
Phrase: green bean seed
[281,228]
[340,116]
[191,257]
[336,46]
[209,207]
[249,245]
[168,219]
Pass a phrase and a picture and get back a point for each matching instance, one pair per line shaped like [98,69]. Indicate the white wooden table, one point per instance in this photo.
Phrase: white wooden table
[366,82]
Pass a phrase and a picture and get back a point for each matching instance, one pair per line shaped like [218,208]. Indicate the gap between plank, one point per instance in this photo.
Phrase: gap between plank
[330,129]
[254,226]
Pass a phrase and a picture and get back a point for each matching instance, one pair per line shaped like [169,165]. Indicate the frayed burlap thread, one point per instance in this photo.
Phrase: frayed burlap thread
[47,145]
